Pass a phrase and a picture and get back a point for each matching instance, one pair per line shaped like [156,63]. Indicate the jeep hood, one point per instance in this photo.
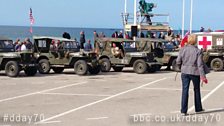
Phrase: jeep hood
[137,54]
[76,54]
[81,54]
[11,55]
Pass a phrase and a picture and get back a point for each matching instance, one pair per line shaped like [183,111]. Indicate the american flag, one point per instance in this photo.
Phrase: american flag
[31,20]
[31,17]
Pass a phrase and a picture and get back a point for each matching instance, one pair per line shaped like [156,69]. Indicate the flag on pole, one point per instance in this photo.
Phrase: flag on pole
[185,39]
[31,20]
[31,17]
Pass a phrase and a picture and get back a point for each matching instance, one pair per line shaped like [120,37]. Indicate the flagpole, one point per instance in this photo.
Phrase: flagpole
[183,19]
[125,6]
[191,16]
[135,12]
[125,17]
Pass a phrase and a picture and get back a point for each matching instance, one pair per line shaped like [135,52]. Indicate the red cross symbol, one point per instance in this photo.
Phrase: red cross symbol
[205,43]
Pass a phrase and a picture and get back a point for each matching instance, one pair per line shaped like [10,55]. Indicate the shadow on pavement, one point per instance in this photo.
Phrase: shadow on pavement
[210,111]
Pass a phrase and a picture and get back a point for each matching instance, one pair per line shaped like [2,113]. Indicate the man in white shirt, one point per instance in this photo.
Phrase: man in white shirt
[23,47]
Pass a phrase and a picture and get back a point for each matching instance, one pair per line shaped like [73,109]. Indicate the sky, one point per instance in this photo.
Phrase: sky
[106,13]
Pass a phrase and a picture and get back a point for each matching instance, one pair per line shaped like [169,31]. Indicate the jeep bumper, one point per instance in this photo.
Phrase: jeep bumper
[24,65]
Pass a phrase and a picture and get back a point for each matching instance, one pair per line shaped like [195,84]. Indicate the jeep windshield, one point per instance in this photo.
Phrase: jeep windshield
[71,46]
[6,45]
[130,46]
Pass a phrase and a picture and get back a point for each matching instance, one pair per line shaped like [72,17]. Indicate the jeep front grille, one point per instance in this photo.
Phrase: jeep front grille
[27,57]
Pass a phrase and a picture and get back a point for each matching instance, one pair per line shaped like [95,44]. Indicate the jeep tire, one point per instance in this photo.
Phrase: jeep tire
[30,71]
[140,67]
[217,64]
[105,65]
[44,66]
[12,69]
[58,69]
[80,67]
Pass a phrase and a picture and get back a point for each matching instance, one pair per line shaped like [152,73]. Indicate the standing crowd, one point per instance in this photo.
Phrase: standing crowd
[173,40]
[25,45]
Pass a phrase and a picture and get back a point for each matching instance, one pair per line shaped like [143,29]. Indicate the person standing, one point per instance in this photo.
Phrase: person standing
[18,46]
[209,30]
[95,36]
[142,35]
[127,36]
[88,46]
[29,45]
[202,29]
[23,46]
[192,69]
[115,35]
[121,35]
[82,40]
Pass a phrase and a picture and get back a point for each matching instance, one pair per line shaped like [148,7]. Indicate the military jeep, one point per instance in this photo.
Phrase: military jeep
[141,61]
[58,53]
[212,44]
[14,62]
[165,56]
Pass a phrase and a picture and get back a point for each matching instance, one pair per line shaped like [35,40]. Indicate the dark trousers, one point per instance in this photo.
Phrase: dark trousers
[186,78]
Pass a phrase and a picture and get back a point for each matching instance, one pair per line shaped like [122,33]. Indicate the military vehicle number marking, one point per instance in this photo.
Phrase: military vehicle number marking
[219,41]
[42,43]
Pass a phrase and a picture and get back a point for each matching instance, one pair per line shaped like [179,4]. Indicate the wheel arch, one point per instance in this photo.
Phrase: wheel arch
[75,59]
[5,60]
[134,59]
[208,63]
[171,60]
[42,57]
[104,56]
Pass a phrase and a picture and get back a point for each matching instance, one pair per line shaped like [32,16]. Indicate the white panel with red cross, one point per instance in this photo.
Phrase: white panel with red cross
[205,42]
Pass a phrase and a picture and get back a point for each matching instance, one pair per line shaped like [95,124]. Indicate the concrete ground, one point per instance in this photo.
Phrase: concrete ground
[108,99]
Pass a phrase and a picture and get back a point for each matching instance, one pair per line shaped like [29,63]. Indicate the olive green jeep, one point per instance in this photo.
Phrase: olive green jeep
[211,44]
[119,53]
[58,53]
[14,62]
[165,56]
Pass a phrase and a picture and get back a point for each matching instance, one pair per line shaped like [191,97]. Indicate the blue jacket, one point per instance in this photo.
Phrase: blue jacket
[88,47]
